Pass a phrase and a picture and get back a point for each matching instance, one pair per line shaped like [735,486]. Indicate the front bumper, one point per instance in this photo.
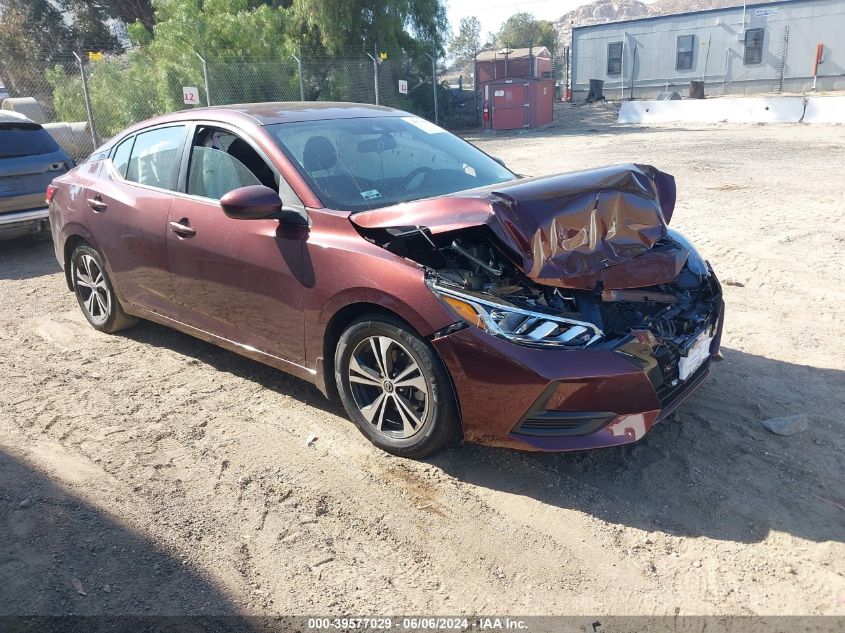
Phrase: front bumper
[552,400]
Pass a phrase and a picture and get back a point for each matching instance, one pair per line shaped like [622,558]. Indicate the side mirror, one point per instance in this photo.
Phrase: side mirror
[498,160]
[255,202]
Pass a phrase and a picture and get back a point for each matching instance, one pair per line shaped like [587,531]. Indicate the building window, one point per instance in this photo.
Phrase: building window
[683,58]
[614,58]
[753,47]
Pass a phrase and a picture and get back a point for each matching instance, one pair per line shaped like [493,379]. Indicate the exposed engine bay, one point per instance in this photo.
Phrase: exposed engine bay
[572,261]
[469,265]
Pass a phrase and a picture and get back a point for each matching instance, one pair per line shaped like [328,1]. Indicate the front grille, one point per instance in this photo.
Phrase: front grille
[668,393]
[619,316]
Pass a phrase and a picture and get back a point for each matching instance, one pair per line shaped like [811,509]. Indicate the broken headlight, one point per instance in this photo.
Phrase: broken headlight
[517,325]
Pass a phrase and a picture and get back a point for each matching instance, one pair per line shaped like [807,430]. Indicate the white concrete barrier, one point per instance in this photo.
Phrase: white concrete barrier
[74,138]
[26,106]
[825,110]
[740,110]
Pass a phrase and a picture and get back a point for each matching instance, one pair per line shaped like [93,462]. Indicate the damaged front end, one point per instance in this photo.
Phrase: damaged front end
[483,287]
[570,261]
[574,262]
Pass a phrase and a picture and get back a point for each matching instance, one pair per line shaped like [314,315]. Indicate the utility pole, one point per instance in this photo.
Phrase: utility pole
[87,100]
[434,83]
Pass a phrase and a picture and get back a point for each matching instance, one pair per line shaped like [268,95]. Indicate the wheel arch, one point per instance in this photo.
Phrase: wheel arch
[75,234]
[70,245]
[335,327]
[338,323]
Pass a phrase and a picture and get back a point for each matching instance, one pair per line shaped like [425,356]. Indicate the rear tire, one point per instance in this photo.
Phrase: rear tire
[95,293]
[395,388]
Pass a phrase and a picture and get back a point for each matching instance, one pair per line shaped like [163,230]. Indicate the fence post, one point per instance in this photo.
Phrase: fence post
[434,83]
[87,99]
[205,78]
[299,72]
[475,86]
[375,69]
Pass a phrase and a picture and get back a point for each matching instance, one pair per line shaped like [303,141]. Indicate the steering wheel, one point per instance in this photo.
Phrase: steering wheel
[413,175]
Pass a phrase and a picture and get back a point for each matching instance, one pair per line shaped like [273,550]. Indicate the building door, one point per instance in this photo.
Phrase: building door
[510,106]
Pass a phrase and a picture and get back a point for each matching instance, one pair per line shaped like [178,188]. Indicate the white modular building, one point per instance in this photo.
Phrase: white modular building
[787,46]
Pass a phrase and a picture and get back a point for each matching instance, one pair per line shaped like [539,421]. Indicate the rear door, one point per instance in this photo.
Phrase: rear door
[131,202]
[29,160]
[510,106]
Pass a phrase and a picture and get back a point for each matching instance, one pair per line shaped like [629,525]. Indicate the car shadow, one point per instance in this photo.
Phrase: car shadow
[27,258]
[710,470]
[223,360]
[63,556]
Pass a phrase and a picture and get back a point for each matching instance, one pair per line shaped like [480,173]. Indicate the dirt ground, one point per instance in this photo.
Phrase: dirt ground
[149,472]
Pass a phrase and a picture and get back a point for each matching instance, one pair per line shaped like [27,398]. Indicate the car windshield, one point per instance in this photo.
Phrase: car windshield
[366,163]
[25,139]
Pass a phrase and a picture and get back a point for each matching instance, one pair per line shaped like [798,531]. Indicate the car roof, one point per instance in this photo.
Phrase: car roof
[281,112]
[10,116]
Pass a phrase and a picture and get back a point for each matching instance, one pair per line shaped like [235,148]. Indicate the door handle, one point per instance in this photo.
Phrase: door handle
[182,230]
[97,204]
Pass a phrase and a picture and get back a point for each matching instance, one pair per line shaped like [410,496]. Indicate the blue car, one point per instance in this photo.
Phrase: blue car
[29,160]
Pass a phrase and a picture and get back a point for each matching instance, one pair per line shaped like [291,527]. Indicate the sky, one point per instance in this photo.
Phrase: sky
[493,12]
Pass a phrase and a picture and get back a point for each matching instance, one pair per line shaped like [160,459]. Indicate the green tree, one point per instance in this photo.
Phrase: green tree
[38,34]
[128,11]
[464,46]
[523,29]
[349,25]
[246,47]
[88,28]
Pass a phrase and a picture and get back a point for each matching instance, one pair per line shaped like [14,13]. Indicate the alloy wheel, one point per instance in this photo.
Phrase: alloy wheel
[389,387]
[92,288]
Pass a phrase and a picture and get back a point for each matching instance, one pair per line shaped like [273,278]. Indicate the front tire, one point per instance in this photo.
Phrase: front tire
[95,293]
[395,388]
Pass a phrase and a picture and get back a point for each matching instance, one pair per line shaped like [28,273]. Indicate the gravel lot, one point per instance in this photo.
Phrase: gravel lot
[149,472]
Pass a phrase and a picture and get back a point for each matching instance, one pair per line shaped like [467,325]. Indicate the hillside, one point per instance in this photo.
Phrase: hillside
[602,11]
[665,7]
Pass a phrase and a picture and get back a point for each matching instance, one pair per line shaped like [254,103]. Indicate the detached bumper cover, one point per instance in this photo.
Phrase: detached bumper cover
[549,400]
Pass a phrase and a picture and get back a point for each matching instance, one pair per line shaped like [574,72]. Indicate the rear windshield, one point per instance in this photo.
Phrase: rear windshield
[25,139]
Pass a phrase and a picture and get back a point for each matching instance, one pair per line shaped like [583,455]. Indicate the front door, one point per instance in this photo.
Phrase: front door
[236,279]
[510,106]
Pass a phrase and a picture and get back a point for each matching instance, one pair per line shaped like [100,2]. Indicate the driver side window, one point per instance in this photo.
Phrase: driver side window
[221,162]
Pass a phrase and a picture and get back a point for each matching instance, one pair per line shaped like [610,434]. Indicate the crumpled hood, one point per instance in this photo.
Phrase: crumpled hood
[571,230]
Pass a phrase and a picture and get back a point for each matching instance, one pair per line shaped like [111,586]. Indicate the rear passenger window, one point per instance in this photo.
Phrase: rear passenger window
[120,159]
[155,157]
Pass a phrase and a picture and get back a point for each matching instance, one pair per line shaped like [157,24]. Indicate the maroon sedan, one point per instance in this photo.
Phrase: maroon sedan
[396,266]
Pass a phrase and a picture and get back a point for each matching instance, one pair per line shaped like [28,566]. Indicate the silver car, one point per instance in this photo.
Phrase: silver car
[29,160]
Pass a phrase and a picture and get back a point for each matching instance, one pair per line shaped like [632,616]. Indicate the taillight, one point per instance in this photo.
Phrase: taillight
[51,191]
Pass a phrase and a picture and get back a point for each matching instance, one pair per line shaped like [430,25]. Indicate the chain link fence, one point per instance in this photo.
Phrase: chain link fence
[85,98]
